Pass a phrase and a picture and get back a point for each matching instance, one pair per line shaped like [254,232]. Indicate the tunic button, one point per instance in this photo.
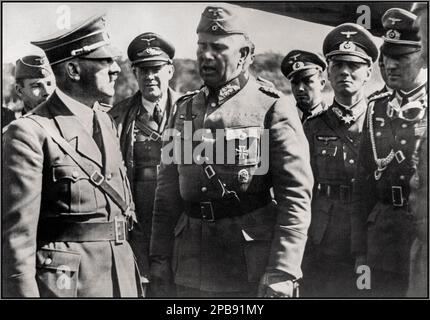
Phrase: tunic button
[402,177]
[75,174]
[324,152]
[404,125]
[204,189]
[378,134]
[48,261]
[213,104]
[403,141]
[352,180]
[108,176]
[351,161]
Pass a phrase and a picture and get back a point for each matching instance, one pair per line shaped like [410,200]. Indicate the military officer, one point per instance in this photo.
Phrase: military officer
[418,196]
[383,224]
[216,231]
[34,81]
[385,88]
[305,71]
[334,138]
[68,205]
[141,120]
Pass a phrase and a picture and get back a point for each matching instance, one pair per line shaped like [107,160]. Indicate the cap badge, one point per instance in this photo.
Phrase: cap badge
[214,27]
[295,57]
[243,176]
[393,34]
[149,52]
[298,65]
[216,12]
[40,60]
[348,34]
[394,20]
[148,40]
[347,46]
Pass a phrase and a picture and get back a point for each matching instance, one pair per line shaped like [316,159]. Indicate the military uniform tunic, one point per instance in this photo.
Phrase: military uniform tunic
[383,225]
[231,252]
[45,187]
[328,255]
[142,153]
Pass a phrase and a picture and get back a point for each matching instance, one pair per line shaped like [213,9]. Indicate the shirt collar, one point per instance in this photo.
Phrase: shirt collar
[414,94]
[149,105]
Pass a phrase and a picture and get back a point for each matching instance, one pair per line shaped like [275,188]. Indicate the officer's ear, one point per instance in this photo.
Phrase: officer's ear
[171,70]
[369,73]
[73,70]
[18,89]
[244,54]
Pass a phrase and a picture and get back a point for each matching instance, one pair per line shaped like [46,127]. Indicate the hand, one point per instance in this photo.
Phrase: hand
[275,285]
[161,279]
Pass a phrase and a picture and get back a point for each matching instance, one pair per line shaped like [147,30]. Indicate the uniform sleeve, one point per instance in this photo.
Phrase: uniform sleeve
[22,183]
[363,199]
[167,206]
[292,183]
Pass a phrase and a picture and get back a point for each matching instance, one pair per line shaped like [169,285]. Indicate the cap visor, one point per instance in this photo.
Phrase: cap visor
[150,62]
[349,58]
[392,49]
[304,73]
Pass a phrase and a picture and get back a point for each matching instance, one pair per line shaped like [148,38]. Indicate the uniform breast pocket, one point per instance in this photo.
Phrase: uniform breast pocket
[73,187]
[328,157]
[243,146]
[57,272]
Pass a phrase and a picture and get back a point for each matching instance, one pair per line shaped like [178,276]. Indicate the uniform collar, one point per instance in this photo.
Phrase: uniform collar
[316,109]
[413,95]
[222,94]
[349,114]
[80,110]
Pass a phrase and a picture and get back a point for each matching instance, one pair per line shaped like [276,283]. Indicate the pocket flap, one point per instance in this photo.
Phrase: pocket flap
[68,172]
[58,260]
[242,133]
[329,151]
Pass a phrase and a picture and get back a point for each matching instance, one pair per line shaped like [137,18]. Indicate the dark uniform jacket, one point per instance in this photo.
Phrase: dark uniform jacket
[142,157]
[383,226]
[44,188]
[333,162]
[231,253]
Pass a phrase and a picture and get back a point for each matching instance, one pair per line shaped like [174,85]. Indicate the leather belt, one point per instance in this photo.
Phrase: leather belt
[145,174]
[55,230]
[218,209]
[395,196]
[335,191]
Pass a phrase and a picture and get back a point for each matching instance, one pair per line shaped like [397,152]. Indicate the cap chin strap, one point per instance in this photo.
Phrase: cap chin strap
[88,49]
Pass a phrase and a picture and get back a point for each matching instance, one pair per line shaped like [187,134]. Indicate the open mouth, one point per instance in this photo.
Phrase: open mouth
[208,69]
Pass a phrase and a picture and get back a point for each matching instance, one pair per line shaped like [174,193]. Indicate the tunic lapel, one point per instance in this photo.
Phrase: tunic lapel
[74,132]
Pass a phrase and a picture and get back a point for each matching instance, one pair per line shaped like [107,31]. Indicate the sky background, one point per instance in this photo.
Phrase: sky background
[25,22]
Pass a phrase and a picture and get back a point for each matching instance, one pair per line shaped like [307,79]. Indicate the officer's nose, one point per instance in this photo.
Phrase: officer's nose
[44,91]
[115,68]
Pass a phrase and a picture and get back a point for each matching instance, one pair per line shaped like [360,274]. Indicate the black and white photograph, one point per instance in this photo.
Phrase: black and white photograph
[236,150]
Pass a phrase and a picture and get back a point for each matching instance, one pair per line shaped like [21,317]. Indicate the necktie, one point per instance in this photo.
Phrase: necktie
[158,114]
[97,133]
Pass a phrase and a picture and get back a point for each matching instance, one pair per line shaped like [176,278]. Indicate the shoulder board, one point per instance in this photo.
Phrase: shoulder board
[188,95]
[270,91]
[379,96]
[266,82]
